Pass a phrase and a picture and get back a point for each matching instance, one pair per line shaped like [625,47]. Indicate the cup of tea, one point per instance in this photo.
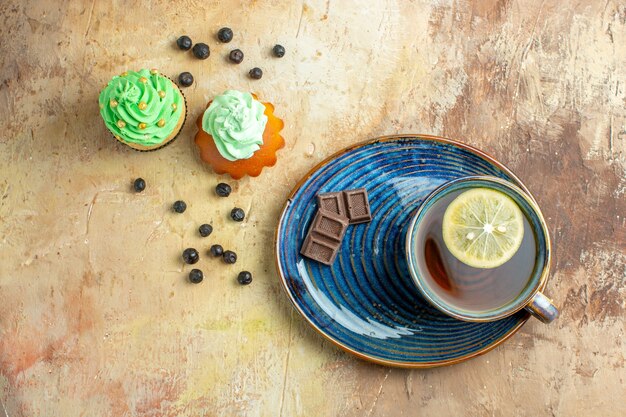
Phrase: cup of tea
[478,250]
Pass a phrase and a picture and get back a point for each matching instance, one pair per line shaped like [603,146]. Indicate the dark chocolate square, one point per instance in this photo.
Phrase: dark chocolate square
[357,205]
[320,249]
[329,225]
[333,203]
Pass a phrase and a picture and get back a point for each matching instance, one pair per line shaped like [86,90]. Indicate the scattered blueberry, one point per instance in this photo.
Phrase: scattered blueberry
[256,73]
[191,256]
[184,43]
[216,250]
[196,276]
[225,35]
[229,257]
[279,51]
[244,277]
[205,230]
[179,206]
[223,189]
[236,56]
[237,214]
[185,79]
[201,51]
[139,185]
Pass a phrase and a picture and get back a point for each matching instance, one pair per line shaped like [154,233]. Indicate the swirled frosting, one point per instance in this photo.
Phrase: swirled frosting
[142,107]
[236,122]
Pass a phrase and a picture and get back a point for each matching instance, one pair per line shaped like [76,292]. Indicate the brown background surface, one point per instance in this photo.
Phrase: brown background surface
[96,316]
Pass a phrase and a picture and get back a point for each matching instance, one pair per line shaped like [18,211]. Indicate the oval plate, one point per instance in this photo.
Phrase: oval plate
[366,302]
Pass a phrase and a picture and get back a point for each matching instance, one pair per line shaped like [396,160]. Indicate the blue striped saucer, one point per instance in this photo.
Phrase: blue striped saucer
[366,302]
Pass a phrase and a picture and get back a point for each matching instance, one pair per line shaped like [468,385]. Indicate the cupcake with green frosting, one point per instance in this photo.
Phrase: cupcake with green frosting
[144,110]
[238,134]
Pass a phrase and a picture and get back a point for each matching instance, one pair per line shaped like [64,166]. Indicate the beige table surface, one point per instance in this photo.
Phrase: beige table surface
[96,315]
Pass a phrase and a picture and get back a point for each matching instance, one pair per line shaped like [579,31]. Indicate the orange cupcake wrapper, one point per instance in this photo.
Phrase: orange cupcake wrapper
[264,157]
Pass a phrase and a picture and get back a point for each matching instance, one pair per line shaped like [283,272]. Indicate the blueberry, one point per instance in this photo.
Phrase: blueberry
[244,278]
[139,185]
[256,73]
[201,51]
[196,276]
[191,256]
[225,35]
[279,51]
[185,79]
[216,250]
[184,43]
[229,257]
[236,56]
[179,206]
[205,230]
[237,214]
[223,189]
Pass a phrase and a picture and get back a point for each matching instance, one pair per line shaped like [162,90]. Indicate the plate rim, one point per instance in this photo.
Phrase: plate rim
[337,343]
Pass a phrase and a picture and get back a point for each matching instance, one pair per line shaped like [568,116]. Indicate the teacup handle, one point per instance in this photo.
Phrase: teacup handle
[542,308]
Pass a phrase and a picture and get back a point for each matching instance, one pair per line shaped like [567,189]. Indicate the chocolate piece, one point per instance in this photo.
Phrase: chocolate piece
[332,202]
[320,249]
[329,225]
[357,205]
[324,238]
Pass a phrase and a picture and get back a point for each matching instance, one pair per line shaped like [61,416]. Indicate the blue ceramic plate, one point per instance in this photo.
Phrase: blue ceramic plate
[366,302]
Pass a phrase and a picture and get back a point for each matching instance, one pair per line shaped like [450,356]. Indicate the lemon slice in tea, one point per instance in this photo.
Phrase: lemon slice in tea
[483,228]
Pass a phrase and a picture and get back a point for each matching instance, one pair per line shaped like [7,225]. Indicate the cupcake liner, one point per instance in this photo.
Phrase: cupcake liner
[169,141]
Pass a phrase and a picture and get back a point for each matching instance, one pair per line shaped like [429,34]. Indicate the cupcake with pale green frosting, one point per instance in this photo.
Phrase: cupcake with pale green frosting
[236,122]
[144,110]
[238,134]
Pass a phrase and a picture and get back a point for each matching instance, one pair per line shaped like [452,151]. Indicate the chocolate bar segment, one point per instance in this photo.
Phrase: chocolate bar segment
[333,203]
[320,249]
[329,225]
[357,205]
[324,238]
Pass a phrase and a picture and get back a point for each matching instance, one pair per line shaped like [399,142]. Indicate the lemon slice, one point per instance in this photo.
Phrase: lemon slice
[483,228]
